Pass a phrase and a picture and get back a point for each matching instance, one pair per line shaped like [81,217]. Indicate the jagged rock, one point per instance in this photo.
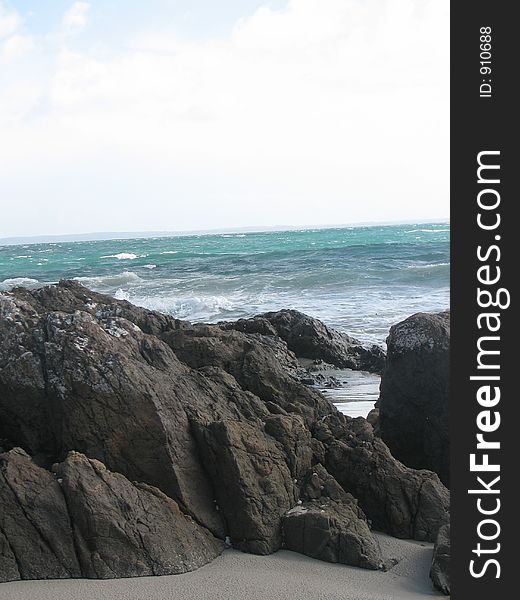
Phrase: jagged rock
[215,418]
[401,501]
[35,530]
[261,365]
[310,338]
[329,524]
[124,529]
[69,296]
[73,381]
[252,481]
[440,569]
[87,378]
[413,405]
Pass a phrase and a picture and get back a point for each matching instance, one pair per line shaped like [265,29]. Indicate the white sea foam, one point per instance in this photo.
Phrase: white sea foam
[192,308]
[9,284]
[122,256]
[429,265]
[110,281]
[170,252]
[355,409]
[149,266]
[427,230]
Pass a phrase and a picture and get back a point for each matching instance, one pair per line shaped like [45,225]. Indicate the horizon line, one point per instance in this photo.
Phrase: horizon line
[125,235]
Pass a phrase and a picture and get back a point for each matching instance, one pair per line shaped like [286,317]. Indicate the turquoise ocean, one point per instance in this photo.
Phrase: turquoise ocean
[359,280]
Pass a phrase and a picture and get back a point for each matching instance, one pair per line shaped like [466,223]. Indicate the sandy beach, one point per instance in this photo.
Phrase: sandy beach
[237,576]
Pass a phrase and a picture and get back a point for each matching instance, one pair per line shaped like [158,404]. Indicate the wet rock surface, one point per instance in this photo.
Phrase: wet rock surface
[182,436]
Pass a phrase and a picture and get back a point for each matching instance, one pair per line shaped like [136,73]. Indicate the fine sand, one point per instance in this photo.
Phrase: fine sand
[236,576]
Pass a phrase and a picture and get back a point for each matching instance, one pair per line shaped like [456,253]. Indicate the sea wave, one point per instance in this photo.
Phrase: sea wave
[429,265]
[110,281]
[9,284]
[122,256]
[427,231]
[358,280]
[182,307]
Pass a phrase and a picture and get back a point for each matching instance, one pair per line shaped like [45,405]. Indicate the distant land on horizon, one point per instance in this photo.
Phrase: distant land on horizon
[128,235]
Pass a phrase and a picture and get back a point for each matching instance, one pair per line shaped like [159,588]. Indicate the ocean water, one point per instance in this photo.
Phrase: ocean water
[359,280]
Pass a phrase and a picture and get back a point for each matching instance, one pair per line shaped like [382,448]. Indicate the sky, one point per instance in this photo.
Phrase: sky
[172,115]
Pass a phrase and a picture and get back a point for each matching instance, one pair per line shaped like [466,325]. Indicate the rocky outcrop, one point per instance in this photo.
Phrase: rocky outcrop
[413,404]
[124,529]
[398,500]
[90,522]
[329,525]
[209,428]
[35,529]
[99,385]
[310,338]
[440,569]
[261,365]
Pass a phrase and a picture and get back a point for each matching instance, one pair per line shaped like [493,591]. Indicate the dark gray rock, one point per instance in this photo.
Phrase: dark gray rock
[216,418]
[310,338]
[35,530]
[74,381]
[440,569]
[252,481]
[290,432]
[403,502]
[87,378]
[260,364]
[373,419]
[413,404]
[329,525]
[124,529]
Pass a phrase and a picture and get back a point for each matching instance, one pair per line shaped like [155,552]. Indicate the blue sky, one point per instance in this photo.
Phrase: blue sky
[193,19]
[182,115]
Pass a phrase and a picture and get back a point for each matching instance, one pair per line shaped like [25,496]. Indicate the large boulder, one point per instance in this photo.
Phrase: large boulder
[398,500]
[440,569]
[413,404]
[252,481]
[124,529]
[75,381]
[329,525]
[35,529]
[87,521]
[311,338]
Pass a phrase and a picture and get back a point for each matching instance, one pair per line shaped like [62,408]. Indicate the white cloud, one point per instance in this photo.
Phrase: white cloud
[77,16]
[16,47]
[328,111]
[14,44]
[9,22]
